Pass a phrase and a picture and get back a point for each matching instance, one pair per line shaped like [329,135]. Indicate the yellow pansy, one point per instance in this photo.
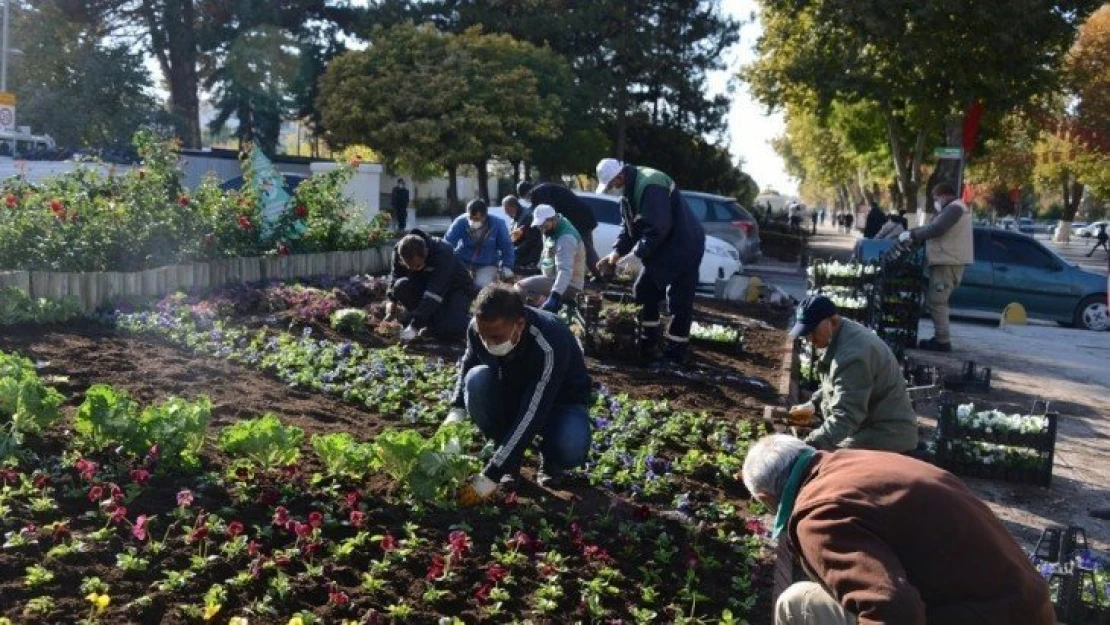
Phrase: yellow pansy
[238,620]
[100,602]
[210,610]
[296,620]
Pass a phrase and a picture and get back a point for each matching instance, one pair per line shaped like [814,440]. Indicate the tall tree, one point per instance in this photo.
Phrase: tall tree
[75,85]
[923,64]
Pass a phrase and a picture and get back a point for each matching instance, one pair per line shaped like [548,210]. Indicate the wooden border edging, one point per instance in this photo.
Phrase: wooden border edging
[94,289]
[783,574]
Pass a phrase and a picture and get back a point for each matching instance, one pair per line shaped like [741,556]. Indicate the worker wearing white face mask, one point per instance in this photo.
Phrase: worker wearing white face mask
[482,244]
[523,374]
[949,249]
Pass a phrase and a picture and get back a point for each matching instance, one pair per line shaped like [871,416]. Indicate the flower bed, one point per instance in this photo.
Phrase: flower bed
[285,519]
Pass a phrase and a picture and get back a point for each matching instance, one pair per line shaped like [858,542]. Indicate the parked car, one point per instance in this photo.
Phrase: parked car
[1076,226]
[1012,267]
[1026,226]
[721,260]
[724,218]
[1091,229]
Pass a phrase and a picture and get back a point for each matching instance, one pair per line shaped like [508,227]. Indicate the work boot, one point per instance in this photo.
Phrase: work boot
[934,345]
[649,344]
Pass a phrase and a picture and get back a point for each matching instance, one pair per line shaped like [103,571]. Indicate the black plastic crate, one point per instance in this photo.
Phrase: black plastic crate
[972,378]
[958,448]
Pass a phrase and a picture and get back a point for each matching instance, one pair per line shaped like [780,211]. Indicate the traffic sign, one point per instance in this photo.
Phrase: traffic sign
[7,111]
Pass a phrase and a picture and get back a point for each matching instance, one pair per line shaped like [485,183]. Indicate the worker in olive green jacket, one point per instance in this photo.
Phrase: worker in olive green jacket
[863,396]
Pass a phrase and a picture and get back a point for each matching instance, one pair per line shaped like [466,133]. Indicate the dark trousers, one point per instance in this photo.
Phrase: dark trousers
[1101,243]
[591,253]
[451,318]
[680,292]
[494,409]
[401,216]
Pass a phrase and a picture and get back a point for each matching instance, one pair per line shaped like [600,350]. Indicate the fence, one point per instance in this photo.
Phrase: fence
[96,289]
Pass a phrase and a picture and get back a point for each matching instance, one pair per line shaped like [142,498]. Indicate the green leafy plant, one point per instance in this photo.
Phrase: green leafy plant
[17,307]
[428,467]
[264,441]
[27,405]
[349,320]
[109,416]
[342,455]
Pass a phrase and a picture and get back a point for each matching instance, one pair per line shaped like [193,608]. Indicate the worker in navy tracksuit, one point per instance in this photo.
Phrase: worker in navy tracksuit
[659,230]
[523,374]
[432,286]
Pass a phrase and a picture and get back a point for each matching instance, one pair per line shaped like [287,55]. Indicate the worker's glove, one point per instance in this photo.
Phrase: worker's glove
[629,263]
[607,265]
[455,415]
[476,490]
[506,273]
[905,237]
[408,334]
[553,303]
[391,311]
[802,414]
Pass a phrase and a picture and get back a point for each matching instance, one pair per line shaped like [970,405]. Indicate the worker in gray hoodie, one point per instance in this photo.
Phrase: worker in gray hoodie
[562,263]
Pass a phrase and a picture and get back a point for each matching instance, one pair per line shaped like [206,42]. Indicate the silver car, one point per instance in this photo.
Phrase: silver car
[724,218]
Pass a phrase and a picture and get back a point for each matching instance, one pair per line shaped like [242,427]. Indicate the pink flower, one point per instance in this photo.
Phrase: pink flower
[281,515]
[388,543]
[41,481]
[351,499]
[119,514]
[497,573]
[338,597]
[87,469]
[755,526]
[199,533]
[482,594]
[138,529]
[140,476]
[435,569]
[302,529]
[357,518]
[117,493]
[234,529]
[459,542]
[252,548]
[184,498]
[315,519]
[95,493]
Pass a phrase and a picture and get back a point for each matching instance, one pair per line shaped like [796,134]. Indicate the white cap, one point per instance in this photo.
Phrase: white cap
[542,213]
[607,169]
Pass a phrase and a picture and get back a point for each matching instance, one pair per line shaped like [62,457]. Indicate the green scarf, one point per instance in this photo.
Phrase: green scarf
[790,492]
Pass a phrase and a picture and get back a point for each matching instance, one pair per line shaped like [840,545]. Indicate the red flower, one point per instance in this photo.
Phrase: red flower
[87,468]
[300,211]
[755,526]
[338,597]
[57,206]
[357,518]
[497,573]
[313,547]
[355,160]
[234,529]
[282,561]
[252,548]
[119,515]
[41,481]
[302,529]
[511,499]
[199,533]
[95,493]
[351,500]
[9,475]
[522,542]
[435,569]
[183,201]
[184,498]
[593,552]
[11,201]
[117,494]
[282,249]
[388,543]
[459,542]
[244,222]
[482,594]
[138,529]
[315,519]
[289,472]
[140,476]
[281,515]
[61,530]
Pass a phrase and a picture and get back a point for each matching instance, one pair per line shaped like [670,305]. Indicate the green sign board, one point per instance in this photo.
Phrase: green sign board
[948,153]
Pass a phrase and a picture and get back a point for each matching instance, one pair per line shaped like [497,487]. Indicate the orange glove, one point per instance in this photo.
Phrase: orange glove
[476,490]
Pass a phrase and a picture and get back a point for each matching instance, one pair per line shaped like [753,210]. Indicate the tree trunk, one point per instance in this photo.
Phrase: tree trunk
[173,40]
[622,123]
[483,179]
[516,171]
[453,188]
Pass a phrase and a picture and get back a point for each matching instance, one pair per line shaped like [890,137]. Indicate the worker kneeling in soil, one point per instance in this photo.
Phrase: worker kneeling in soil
[432,287]
[523,374]
[562,263]
[862,396]
[889,539]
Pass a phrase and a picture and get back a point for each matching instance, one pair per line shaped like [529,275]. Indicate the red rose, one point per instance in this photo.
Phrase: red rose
[183,201]
[244,222]
[57,206]
[11,200]
[300,211]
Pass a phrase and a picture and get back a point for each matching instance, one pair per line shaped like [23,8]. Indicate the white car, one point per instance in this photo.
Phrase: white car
[1091,230]
[720,261]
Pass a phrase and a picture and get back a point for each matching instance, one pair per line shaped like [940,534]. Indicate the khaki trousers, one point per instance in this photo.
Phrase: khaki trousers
[807,603]
[943,279]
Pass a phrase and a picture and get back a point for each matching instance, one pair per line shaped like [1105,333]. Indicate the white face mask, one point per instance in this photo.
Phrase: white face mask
[939,205]
[474,225]
[501,349]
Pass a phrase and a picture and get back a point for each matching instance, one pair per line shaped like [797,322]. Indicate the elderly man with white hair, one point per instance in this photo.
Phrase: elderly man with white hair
[889,539]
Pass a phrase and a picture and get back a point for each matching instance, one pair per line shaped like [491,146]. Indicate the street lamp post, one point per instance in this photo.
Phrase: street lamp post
[4,51]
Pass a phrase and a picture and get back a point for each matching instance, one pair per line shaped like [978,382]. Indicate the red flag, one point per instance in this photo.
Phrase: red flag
[971,126]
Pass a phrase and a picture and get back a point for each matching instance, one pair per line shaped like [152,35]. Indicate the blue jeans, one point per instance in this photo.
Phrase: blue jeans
[566,431]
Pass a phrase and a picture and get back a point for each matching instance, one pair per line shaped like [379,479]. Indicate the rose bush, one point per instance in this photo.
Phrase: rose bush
[143,218]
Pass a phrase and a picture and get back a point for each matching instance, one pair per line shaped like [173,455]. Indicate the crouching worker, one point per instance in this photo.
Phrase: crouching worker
[889,539]
[429,289]
[563,262]
[522,375]
[862,395]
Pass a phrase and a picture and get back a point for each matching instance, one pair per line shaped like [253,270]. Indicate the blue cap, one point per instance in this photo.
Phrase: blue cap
[812,311]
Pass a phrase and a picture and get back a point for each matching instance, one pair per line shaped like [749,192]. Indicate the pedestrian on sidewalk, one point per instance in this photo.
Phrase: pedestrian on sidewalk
[949,249]
[1103,238]
[813,218]
[399,204]
[874,222]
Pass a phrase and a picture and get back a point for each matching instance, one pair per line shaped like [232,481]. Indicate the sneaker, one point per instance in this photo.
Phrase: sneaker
[934,345]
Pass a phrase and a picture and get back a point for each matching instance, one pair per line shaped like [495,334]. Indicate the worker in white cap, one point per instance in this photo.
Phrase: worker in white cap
[562,262]
[659,230]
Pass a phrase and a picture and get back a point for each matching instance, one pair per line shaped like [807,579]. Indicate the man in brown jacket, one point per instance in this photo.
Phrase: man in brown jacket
[890,540]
